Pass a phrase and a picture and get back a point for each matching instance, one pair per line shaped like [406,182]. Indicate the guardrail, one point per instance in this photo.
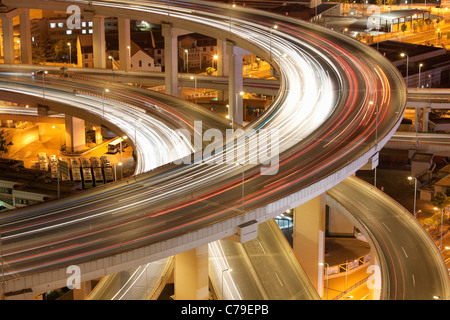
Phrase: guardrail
[347,266]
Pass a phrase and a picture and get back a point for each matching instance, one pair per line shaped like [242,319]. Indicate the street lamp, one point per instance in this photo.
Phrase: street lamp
[20,51]
[103,102]
[376,139]
[112,63]
[43,80]
[420,67]
[270,41]
[70,52]
[195,85]
[243,183]
[186,54]
[223,271]
[60,139]
[129,54]
[407,67]
[328,266]
[215,61]
[236,106]
[415,194]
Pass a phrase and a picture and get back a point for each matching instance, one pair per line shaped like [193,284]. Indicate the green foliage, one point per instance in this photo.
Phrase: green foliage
[3,144]
[441,200]
[404,27]
[210,71]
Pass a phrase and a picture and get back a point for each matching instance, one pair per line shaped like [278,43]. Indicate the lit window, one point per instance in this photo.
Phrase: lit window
[52,25]
[83,31]
[60,24]
[83,24]
[90,24]
[68,31]
[90,30]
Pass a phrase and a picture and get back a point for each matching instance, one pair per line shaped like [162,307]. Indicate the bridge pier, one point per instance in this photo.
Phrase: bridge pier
[98,41]
[75,134]
[235,83]
[124,43]
[191,274]
[8,35]
[25,36]
[309,239]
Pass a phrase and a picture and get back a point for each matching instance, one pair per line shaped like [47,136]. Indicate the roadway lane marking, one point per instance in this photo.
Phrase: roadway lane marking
[279,280]
[414,279]
[387,227]
[404,252]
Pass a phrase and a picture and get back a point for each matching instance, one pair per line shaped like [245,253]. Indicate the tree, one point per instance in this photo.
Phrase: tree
[441,200]
[404,27]
[210,71]
[428,21]
[3,144]
[420,24]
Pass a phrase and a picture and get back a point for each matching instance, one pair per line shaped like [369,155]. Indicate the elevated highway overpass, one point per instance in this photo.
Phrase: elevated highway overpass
[323,177]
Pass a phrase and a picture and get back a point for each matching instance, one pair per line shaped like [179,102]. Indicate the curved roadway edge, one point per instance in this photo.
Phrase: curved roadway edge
[143,283]
[262,268]
[411,265]
[176,244]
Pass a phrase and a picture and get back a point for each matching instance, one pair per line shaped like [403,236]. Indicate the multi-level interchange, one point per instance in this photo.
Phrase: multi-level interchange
[339,101]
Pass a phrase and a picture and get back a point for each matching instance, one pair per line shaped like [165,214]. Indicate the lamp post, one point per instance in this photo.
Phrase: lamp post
[328,266]
[420,67]
[112,63]
[129,54]
[43,85]
[214,64]
[407,68]
[121,163]
[270,41]
[195,86]
[103,102]
[186,54]
[243,183]
[60,139]
[20,51]
[223,271]
[376,139]
[415,193]
[236,106]
[70,52]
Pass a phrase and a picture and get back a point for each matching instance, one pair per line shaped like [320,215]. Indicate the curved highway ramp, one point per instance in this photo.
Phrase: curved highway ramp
[261,269]
[411,266]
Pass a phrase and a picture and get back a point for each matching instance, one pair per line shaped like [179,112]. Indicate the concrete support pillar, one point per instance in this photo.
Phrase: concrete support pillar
[98,42]
[98,135]
[309,239]
[124,43]
[191,274]
[83,292]
[222,65]
[8,35]
[170,59]
[235,84]
[417,120]
[426,115]
[25,36]
[75,134]
[338,224]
